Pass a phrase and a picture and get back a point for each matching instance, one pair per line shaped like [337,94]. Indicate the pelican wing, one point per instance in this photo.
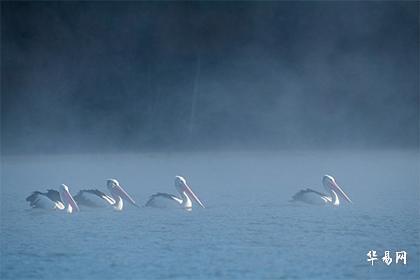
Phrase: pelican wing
[48,200]
[161,196]
[302,193]
[89,198]
[53,195]
[33,197]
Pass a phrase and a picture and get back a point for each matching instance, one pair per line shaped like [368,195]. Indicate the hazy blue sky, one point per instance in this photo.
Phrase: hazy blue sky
[102,76]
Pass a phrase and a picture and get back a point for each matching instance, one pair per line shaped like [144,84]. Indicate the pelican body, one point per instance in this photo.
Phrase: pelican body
[311,196]
[52,199]
[95,198]
[165,200]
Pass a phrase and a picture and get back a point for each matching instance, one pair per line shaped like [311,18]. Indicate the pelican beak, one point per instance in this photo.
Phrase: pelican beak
[192,194]
[68,200]
[340,191]
[124,195]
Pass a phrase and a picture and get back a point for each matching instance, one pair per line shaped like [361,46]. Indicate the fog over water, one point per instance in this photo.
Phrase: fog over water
[249,229]
[170,76]
[249,101]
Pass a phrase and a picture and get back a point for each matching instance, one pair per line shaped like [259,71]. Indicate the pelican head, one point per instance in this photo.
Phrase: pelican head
[67,199]
[180,183]
[329,184]
[117,191]
[64,188]
[182,187]
[112,184]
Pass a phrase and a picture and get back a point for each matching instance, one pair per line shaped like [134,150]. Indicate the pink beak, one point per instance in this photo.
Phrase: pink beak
[68,200]
[124,195]
[335,187]
[192,194]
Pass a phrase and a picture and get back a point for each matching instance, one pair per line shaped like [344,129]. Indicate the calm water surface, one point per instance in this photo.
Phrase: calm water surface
[249,230]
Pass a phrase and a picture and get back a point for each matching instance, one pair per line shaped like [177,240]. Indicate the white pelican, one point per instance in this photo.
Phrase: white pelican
[163,200]
[52,199]
[313,197]
[96,198]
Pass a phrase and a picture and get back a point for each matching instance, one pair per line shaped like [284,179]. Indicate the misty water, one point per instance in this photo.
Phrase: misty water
[249,228]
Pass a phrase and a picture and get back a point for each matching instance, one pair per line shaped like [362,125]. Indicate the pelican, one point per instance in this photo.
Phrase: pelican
[52,199]
[96,198]
[317,198]
[163,200]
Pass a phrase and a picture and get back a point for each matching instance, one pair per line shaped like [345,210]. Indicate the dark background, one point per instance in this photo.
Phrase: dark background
[136,76]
